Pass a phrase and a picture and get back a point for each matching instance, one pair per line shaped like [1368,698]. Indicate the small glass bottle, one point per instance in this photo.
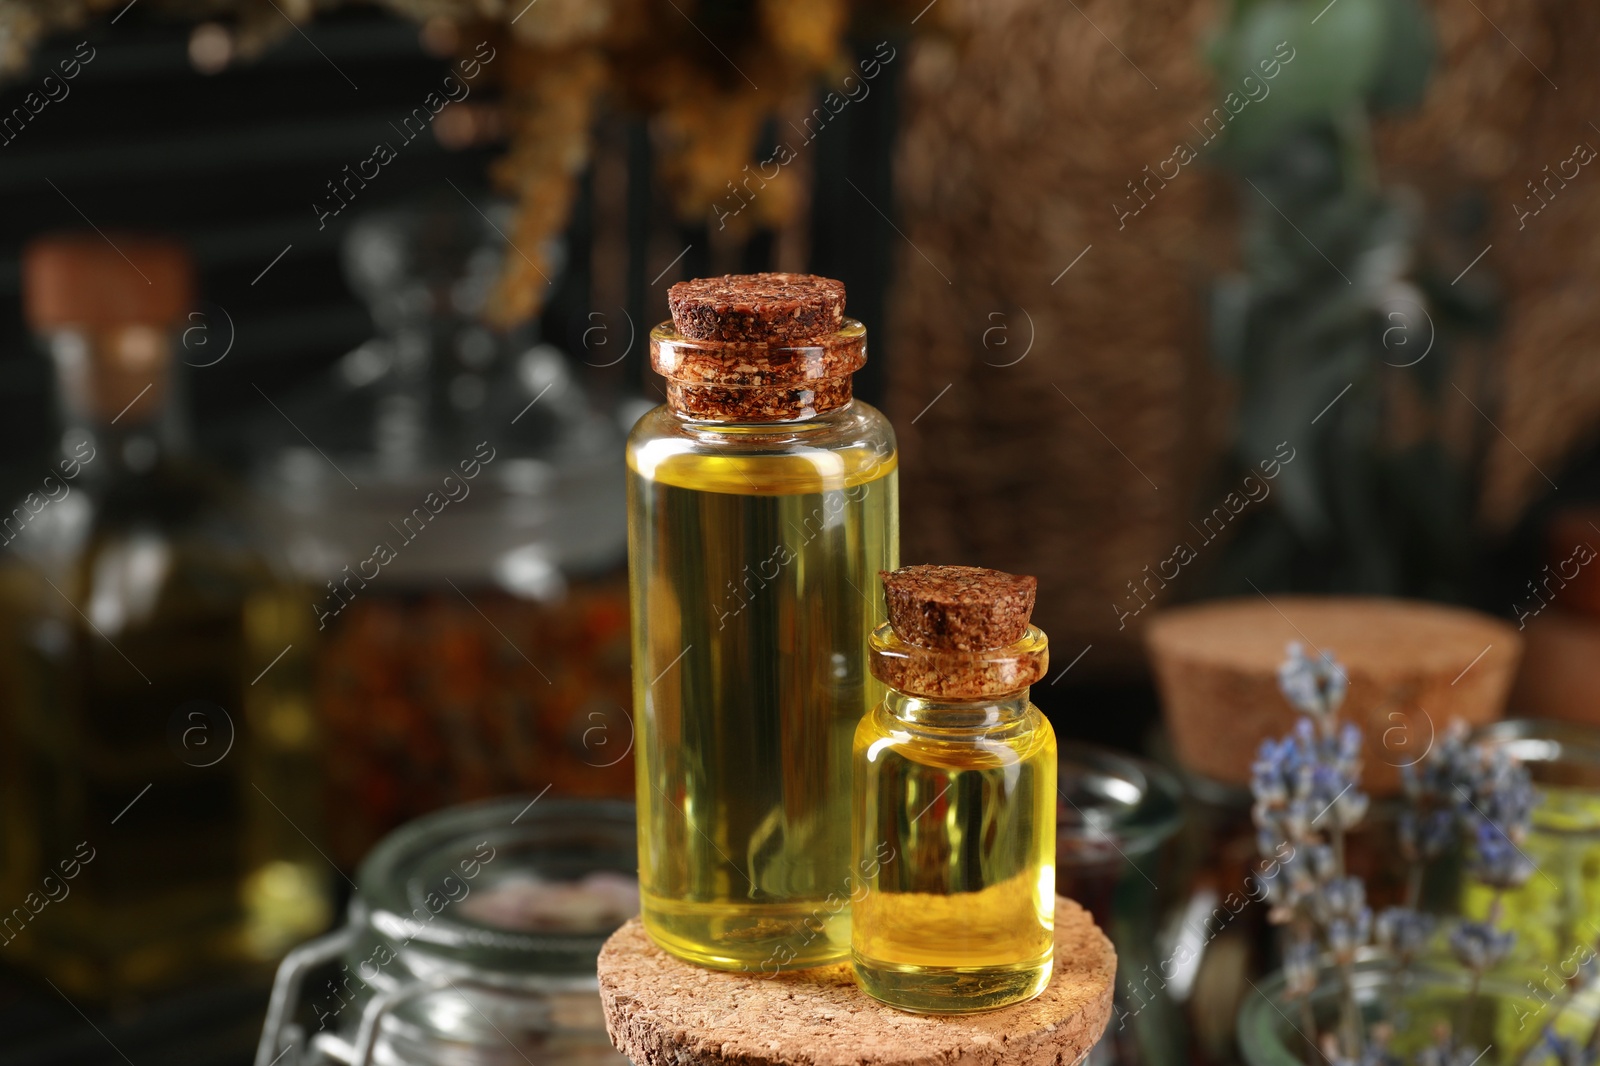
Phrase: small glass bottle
[955,798]
[761,507]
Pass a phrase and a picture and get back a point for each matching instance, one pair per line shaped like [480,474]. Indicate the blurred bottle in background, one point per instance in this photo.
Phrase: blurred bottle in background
[459,516]
[159,751]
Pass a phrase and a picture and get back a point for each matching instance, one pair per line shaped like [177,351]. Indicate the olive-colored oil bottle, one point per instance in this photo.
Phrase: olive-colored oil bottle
[955,799]
[158,765]
[762,505]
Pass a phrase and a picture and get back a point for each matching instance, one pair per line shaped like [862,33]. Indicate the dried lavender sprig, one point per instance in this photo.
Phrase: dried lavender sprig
[1305,794]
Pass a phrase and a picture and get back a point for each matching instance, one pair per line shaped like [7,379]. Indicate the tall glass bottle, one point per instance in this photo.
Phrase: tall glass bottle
[158,755]
[955,799]
[762,505]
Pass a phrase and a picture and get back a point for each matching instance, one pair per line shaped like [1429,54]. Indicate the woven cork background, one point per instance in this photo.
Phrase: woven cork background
[1082,460]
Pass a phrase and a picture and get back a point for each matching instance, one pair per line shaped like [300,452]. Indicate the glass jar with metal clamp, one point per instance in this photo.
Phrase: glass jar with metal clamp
[471,941]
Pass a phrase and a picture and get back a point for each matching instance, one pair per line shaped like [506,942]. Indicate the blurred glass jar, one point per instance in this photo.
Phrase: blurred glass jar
[1505,1017]
[159,744]
[1114,816]
[472,940]
[1221,936]
[1555,911]
[472,593]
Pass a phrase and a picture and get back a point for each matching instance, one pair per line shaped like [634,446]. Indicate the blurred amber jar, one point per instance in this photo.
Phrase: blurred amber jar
[459,514]
[427,702]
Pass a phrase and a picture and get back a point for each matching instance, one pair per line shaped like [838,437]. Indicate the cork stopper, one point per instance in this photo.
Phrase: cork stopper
[123,296]
[958,608]
[758,348]
[93,282]
[766,308]
[958,633]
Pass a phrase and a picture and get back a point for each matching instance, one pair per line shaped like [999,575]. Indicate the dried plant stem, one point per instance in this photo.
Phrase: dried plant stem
[1349,1011]
[1414,885]
[1308,1022]
[1471,1002]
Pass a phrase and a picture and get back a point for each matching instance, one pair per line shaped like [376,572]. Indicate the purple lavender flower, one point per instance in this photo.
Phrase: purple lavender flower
[1479,946]
[1500,789]
[1345,935]
[1445,1052]
[1425,835]
[1374,1054]
[1496,861]
[1300,968]
[1339,897]
[1404,932]
[1312,686]
[1305,784]
[1340,907]
[1297,884]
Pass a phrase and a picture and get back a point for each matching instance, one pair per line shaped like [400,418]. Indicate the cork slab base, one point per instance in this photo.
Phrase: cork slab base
[664,1012]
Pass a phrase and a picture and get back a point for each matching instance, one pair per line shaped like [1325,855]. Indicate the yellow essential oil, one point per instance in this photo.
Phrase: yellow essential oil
[754,557]
[954,825]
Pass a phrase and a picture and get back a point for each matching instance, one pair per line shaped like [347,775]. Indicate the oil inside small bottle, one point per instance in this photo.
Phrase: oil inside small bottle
[754,587]
[954,811]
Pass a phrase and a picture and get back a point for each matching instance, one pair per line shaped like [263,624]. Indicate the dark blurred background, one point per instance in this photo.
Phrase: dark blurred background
[1085,339]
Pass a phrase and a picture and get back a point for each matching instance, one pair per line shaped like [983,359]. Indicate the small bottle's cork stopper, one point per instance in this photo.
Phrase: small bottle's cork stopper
[958,608]
[769,308]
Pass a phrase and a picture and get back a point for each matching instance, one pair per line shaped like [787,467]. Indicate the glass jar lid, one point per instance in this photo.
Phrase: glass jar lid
[1563,759]
[1112,805]
[509,886]
[472,939]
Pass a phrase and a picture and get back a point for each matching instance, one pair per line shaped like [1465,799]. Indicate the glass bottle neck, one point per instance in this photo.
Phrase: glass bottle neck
[991,713]
[114,388]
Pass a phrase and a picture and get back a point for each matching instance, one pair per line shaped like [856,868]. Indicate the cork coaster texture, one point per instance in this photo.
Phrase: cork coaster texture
[1412,668]
[661,1011]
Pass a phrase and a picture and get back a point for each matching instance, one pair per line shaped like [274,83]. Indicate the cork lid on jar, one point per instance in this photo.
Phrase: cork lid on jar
[958,632]
[95,282]
[118,297]
[757,347]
